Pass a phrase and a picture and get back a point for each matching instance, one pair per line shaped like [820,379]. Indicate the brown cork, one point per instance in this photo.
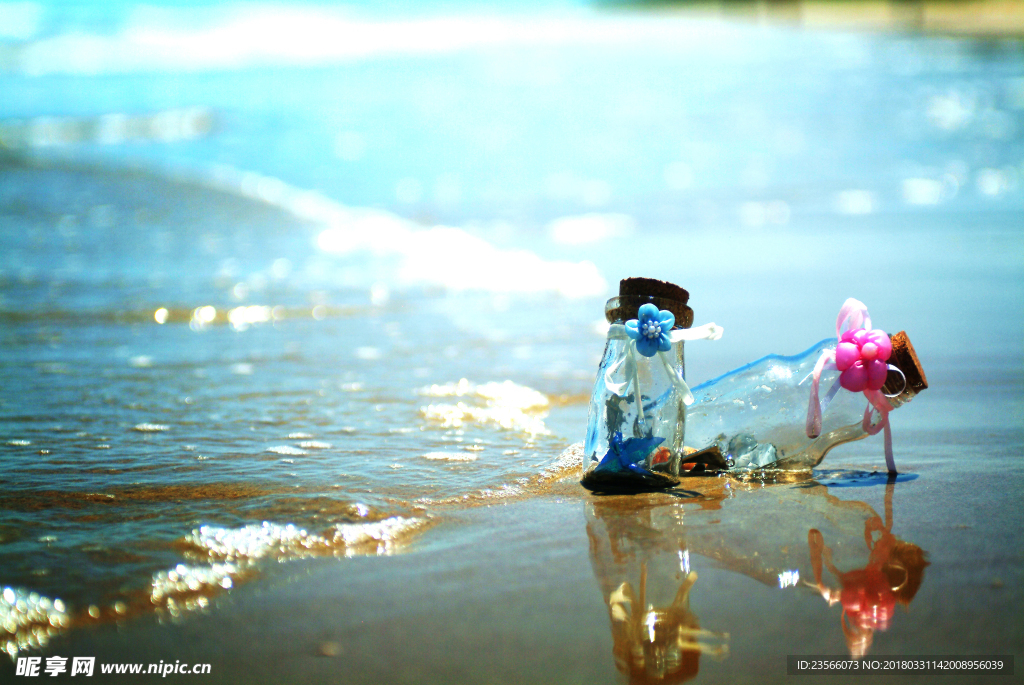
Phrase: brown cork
[652,287]
[905,359]
[636,292]
[622,309]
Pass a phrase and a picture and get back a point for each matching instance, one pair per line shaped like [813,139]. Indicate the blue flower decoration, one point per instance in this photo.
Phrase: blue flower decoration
[651,329]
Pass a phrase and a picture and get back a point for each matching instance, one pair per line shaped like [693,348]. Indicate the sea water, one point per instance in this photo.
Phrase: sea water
[279,283]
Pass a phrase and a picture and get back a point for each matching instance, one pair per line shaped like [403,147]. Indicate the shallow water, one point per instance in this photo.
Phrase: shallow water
[229,304]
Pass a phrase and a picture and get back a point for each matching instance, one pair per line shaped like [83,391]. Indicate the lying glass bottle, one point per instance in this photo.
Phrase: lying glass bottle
[756,416]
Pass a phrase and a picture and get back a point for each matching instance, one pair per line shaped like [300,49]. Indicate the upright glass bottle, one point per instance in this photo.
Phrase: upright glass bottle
[755,416]
[636,406]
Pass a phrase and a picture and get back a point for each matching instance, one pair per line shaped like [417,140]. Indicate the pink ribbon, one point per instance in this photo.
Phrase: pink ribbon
[861,356]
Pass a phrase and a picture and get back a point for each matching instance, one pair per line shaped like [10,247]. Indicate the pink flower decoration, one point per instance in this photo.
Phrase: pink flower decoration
[861,356]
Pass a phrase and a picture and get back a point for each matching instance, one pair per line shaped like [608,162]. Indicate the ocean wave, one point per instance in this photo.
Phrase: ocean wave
[409,255]
[506,393]
[392,253]
[287,450]
[282,542]
[508,418]
[232,555]
[152,39]
[560,476]
[114,128]
[449,456]
[451,257]
[151,428]
[188,588]
[507,405]
[220,558]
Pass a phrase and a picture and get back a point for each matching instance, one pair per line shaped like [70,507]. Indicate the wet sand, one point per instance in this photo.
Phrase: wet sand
[523,591]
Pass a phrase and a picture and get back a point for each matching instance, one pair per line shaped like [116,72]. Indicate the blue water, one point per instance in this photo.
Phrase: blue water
[239,247]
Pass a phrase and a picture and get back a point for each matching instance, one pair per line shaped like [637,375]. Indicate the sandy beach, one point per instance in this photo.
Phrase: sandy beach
[519,591]
[301,310]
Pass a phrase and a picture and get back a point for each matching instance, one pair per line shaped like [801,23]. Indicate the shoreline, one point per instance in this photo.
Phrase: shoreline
[513,590]
[983,19]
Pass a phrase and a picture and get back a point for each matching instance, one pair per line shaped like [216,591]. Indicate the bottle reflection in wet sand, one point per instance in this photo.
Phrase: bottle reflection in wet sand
[640,551]
[642,565]
[869,595]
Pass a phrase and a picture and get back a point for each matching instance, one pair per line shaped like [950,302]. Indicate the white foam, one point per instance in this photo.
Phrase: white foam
[379,538]
[28,620]
[286,449]
[508,418]
[449,456]
[250,542]
[454,259]
[187,588]
[506,393]
[184,579]
[254,34]
[151,427]
[507,405]
[272,540]
[511,394]
[410,254]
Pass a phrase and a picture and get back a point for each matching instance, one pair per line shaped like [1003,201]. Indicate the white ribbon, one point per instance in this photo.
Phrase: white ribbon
[617,331]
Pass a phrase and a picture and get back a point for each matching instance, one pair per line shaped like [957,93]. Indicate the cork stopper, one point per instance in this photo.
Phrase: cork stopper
[905,359]
[636,292]
[652,287]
